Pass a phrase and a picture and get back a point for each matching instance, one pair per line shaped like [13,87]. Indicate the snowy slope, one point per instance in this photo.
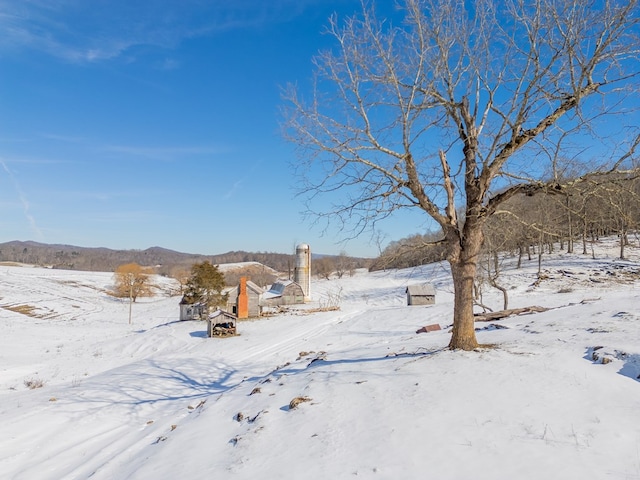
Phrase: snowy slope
[157,399]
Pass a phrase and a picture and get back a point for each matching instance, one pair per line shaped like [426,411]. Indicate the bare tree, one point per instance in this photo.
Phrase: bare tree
[181,273]
[344,264]
[620,199]
[500,236]
[411,251]
[324,267]
[132,281]
[449,110]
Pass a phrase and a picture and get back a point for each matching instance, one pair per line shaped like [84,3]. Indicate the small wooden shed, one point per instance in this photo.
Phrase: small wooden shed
[221,324]
[421,294]
[192,311]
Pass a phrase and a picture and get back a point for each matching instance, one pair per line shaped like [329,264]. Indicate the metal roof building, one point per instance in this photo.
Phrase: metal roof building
[421,294]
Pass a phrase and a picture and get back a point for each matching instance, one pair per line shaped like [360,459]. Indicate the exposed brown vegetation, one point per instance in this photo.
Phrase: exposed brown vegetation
[297,401]
[33,383]
[28,310]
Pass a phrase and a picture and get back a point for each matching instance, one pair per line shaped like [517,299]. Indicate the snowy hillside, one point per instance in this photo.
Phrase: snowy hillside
[325,394]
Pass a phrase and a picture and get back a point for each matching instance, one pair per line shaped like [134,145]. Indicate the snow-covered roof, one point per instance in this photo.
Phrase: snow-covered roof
[421,290]
[219,312]
[277,289]
[250,285]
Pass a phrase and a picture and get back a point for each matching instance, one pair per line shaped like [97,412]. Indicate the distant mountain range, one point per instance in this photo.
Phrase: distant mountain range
[71,257]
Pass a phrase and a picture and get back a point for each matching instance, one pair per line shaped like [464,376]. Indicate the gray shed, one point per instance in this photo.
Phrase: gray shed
[421,294]
[283,292]
[192,311]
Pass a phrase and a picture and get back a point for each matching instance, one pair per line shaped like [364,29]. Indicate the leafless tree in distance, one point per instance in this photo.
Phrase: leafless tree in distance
[132,281]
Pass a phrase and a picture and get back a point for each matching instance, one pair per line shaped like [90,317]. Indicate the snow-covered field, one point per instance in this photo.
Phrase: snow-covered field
[159,400]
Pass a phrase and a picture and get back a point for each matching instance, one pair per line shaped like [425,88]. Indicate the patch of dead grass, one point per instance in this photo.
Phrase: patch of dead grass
[28,310]
[297,401]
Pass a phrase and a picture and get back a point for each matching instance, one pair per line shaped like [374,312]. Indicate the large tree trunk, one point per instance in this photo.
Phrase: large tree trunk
[464,262]
[464,333]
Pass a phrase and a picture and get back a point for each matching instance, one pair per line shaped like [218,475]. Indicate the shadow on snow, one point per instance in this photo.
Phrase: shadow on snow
[153,382]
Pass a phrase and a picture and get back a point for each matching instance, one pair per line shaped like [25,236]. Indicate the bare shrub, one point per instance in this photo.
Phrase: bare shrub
[33,383]
[331,300]
[297,401]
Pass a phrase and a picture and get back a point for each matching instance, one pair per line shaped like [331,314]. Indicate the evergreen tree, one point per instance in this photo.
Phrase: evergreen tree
[205,285]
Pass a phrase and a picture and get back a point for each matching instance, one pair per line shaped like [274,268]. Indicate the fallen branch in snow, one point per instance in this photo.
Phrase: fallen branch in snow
[491,316]
[587,300]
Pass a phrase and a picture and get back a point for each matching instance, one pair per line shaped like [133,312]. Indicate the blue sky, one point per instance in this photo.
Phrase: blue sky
[132,124]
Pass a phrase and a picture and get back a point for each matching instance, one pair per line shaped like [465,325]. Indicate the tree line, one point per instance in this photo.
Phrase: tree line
[162,260]
[571,218]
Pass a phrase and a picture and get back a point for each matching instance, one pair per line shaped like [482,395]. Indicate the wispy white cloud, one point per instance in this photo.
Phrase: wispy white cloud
[169,64]
[155,152]
[92,31]
[234,187]
[102,196]
[23,201]
[165,153]
[63,138]
[238,183]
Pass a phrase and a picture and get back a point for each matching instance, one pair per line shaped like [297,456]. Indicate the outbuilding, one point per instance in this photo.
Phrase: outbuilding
[244,299]
[421,294]
[283,292]
[221,324]
[192,311]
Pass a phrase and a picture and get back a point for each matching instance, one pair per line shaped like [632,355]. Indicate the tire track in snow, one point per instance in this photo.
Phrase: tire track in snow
[291,342]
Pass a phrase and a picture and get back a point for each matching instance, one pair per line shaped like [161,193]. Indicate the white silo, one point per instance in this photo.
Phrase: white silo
[302,272]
